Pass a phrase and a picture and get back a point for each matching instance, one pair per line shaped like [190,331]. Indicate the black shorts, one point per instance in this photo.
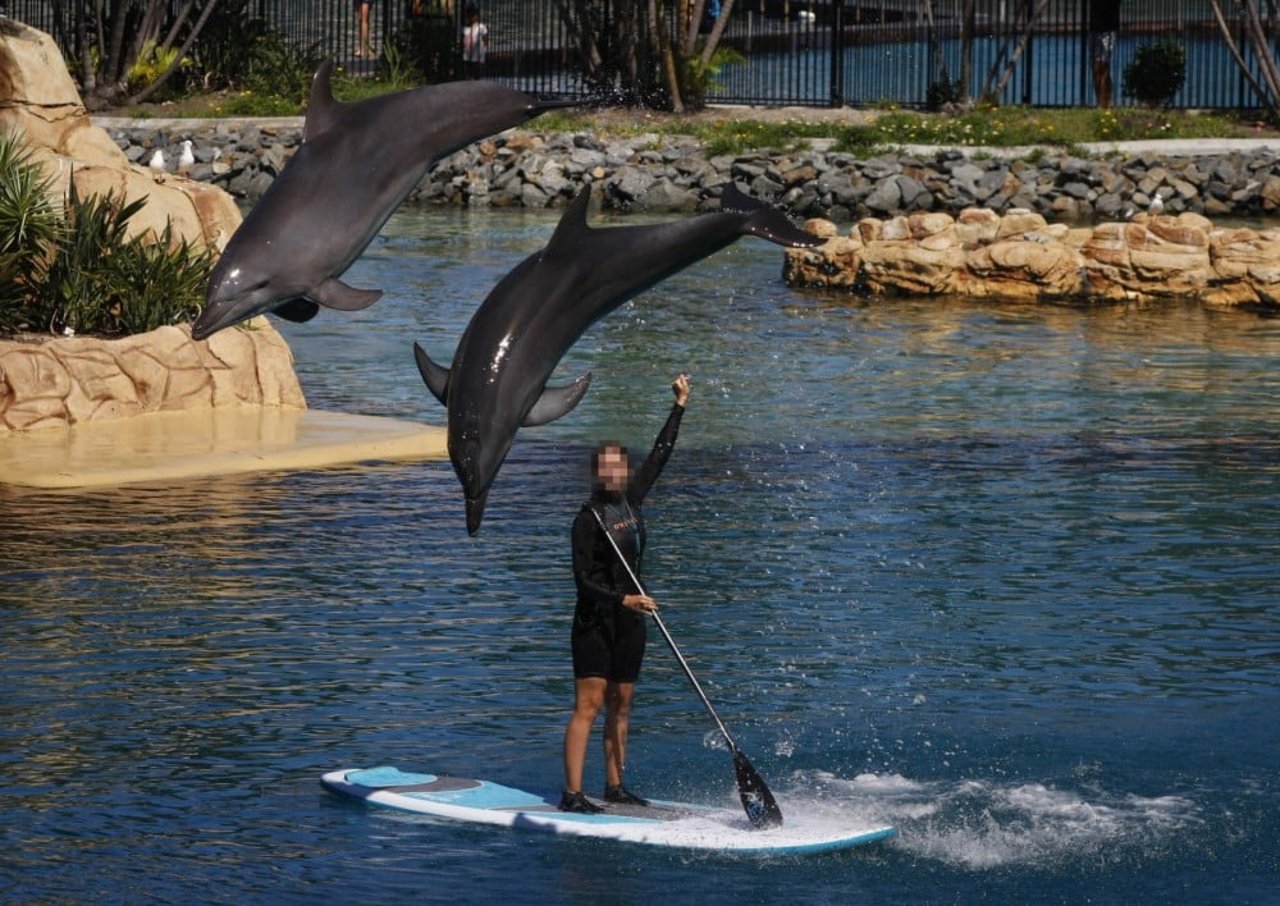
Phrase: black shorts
[614,653]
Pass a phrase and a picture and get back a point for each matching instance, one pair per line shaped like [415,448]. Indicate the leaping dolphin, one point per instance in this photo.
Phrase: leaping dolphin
[517,336]
[357,162]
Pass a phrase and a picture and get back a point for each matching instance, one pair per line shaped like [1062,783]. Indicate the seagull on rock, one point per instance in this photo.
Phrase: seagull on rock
[157,160]
[186,160]
[1157,205]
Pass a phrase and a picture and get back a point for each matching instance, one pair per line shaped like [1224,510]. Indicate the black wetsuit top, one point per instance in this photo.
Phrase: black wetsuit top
[602,581]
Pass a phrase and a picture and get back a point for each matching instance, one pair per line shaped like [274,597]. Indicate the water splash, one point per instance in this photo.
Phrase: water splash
[984,824]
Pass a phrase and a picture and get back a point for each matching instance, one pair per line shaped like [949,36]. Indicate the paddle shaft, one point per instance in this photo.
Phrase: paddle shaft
[684,665]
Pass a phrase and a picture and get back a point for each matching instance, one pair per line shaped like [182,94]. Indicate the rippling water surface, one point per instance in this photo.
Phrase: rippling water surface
[1002,575]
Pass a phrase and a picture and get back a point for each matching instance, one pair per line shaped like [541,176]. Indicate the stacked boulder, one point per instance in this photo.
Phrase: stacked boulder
[660,174]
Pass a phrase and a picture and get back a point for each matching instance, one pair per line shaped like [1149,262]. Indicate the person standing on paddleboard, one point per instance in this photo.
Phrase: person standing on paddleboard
[609,625]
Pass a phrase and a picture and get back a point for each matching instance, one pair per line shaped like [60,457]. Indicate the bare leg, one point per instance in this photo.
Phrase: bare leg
[1102,82]
[617,719]
[363,50]
[588,699]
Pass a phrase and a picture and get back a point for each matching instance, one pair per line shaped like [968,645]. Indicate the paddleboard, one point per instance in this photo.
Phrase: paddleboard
[662,823]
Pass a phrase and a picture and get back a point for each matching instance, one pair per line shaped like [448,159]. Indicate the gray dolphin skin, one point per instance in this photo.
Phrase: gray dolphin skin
[518,335]
[357,162]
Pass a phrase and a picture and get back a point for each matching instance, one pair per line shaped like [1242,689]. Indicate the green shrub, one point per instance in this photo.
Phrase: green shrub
[101,282]
[151,64]
[29,230]
[424,49]
[226,48]
[943,92]
[78,269]
[157,283]
[1156,73]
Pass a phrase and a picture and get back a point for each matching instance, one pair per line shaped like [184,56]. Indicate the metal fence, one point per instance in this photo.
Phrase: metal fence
[813,52]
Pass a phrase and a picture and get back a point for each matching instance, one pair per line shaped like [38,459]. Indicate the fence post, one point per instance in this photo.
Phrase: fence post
[1028,62]
[837,53]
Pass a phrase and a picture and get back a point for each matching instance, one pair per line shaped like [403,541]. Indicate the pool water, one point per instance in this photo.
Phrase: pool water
[1002,575]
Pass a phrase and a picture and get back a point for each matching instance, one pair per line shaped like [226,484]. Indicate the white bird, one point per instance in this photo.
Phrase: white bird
[1157,205]
[186,160]
[157,160]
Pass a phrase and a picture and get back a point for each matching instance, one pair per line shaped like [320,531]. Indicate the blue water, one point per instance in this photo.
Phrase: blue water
[1002,575]
[1054,73]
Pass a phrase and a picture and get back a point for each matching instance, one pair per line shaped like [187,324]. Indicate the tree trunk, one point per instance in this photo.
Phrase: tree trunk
[177,60]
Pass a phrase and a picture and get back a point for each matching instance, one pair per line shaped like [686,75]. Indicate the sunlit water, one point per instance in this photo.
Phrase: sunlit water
[1002,575]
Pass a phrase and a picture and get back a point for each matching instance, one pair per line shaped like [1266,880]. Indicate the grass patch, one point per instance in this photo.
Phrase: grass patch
[999,127]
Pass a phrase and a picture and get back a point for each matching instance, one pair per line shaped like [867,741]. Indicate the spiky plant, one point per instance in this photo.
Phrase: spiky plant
[29,230]
[160,282]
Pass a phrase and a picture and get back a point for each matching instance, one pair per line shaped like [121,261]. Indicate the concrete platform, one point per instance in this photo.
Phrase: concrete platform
[172,446]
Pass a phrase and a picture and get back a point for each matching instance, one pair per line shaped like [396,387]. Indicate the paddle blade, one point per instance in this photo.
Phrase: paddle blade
[762,810]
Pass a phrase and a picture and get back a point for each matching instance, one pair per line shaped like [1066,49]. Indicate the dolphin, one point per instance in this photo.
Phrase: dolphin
[497,382]
[357,162]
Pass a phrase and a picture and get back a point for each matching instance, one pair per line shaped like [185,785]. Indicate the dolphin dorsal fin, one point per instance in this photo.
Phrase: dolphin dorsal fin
[572,226]
[321,107]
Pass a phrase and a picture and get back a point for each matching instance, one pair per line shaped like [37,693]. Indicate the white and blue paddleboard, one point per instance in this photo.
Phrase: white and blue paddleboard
[662,823]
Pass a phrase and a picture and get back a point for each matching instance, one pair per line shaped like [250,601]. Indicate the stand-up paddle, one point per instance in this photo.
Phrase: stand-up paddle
[762,810]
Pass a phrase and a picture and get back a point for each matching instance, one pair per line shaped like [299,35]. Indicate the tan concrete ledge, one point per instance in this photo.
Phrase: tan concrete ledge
[173,446]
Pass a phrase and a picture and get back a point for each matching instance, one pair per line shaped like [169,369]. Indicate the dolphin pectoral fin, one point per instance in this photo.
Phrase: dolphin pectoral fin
[557,401]
[333,293]
[765,221]
[297,310]
[435,376]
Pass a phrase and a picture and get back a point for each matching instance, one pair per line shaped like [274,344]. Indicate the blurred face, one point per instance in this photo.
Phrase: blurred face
[612,469]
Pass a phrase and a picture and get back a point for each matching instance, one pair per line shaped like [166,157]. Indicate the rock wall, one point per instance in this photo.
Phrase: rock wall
[523,168]
[50,382]
[1021,256]
[71,380]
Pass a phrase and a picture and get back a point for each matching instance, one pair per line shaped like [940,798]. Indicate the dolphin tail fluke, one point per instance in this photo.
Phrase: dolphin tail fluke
[765,221]
[475,511]
[335,294]
[435,376]
[557,401]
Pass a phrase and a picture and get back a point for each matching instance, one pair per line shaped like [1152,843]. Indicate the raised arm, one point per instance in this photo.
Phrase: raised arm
[651,468]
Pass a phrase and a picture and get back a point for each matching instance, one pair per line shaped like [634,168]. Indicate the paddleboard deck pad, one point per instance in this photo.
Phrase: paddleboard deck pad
[662,823]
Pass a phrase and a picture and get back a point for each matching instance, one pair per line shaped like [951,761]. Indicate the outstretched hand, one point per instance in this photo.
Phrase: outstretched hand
[680,387]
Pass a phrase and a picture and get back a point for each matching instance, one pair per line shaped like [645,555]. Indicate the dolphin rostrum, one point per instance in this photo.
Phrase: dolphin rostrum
[517,336]
[357,162]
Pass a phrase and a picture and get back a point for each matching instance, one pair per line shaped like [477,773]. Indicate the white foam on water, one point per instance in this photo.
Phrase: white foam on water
[982,824]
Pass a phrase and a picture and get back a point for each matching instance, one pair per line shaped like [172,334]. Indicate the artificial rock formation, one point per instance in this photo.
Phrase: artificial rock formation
[39,101]
[63,381]
[71,380]
[1021,256]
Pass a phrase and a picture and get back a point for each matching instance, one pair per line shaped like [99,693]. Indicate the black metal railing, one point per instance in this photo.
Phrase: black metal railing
[810,52]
